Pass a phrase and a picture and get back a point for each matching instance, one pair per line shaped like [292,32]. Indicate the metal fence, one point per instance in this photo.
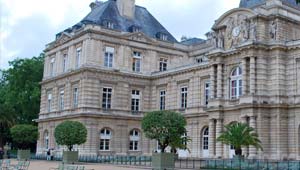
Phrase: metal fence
[189,163]
[250,164]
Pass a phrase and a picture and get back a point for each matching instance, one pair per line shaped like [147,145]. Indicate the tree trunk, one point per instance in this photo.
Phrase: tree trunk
[238,151]
[1,142]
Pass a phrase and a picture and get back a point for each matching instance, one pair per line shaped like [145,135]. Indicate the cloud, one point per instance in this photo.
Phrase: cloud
[27,26]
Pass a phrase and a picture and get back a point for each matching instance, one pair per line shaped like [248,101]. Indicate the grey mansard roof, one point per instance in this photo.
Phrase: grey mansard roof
[192,41]
[254,3]
[108,12]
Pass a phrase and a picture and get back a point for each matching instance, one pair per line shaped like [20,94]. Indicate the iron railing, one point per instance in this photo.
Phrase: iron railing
[188,163]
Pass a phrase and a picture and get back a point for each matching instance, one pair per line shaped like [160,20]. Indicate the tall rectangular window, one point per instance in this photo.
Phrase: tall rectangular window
[75,97]
[78,57]
[298,75]
[106,98]
[109,57]
[61,99]
[162,100]
[183,97]
[206,92]
[135,101]
[64,64]
[163,64]
[52,67]
[49,102]
[136,64]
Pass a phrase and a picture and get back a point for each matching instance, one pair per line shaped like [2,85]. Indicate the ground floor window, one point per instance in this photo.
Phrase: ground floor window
[299,141]
[105,137]
[134,140]
[46,139]
[205,142]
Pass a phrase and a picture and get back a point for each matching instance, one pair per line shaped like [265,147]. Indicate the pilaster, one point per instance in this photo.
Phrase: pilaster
[212,137]
[219,145]
[252,149]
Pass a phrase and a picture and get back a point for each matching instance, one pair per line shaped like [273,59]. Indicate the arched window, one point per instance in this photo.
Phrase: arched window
[299,141]
[105,137]
[46,139]
[236,83]
[134,139]
[205,142]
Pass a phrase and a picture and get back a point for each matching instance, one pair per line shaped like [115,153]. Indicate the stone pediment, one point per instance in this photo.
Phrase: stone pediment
[63,38]
[139,36]
[239,14]
[234,28]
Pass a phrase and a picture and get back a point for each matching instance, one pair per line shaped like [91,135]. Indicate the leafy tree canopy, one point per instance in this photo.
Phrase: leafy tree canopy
[24,135]
[70,133]
[166,127]
[22,89]
[240,135]
[20,94]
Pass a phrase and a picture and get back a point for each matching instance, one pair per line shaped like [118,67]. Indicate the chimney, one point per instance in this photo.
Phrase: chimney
[126,8]
[93,5]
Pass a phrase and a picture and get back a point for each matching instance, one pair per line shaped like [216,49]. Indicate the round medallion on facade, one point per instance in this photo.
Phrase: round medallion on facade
[236,31]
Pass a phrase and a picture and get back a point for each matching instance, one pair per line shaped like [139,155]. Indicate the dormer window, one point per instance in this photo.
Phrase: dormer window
[162,36]
[135,28]
[202,60]
[108,24]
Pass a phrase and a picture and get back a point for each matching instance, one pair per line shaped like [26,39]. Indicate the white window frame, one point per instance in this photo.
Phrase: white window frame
[237,81]
[183,97]
[46,140]
[205,142]
[137,62]
[107,98]
[52,62]
[78,57]
[135,100]
[206,92]
[163,64]
[162,99]
[65,60]
[134,138]
[109,57]
[61,99]
[105,138]
[49,102]
[75,97]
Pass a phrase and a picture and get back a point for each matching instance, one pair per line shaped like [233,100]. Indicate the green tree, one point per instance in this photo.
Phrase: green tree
[7,118]
[22,88]
[70,133]
[166,127]
[240,135]
[20,93]
[24,135]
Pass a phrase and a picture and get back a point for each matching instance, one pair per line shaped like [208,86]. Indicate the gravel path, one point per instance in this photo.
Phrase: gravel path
[45,165]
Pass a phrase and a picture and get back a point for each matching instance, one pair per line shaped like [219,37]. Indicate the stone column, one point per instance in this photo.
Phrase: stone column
[212,137]
[244,149]
[212,82]
[244,76]
[219,81]
[252,149]
[252,75]
[219,145]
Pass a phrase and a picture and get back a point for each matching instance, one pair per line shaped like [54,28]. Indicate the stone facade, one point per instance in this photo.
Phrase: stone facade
[248,70]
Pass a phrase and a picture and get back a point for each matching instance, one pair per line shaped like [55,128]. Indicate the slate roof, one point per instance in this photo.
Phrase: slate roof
[108,12]
[254,3]
[193,41]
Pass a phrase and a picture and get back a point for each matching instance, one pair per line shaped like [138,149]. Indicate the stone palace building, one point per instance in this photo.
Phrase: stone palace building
[119,62]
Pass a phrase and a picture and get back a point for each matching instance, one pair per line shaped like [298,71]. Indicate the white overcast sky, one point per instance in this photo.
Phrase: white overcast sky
[26,26]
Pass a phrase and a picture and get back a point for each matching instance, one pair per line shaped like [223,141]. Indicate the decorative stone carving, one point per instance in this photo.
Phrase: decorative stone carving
[220,39]
[253,30]
[273,30]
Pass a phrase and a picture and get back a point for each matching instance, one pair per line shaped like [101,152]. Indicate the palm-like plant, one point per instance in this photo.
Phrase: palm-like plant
[240,135]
